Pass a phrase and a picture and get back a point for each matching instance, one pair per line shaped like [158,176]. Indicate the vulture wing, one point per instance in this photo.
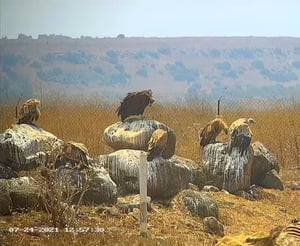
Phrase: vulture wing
[211,131]
[29,112]
[240,138]
[134,104]
[157,144]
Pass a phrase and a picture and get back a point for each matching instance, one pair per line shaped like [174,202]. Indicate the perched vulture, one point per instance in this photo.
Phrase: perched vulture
[240,121]
[212,130]
[29,112]
[240,135]
[134,104]
[157,144]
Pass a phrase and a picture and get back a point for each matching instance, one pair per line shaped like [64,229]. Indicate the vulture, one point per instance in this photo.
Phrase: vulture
[29,112]
[157,144]
[212,130]
[134,104]
[249,121]
[240,135]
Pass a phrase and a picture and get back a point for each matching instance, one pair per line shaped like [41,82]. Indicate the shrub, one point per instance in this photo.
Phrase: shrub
[181,73]
[142,72]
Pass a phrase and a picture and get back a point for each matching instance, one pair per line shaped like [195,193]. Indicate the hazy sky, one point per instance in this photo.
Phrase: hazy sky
[150,18]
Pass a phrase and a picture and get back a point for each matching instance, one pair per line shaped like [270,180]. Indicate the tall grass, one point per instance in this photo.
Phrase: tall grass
[277,128]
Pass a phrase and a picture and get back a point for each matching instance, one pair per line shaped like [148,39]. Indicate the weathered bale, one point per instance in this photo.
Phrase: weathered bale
[23,194]
[230,172]
[165,177]
[5,200]
[210,188]
[136,133]
[96,184]
[272,180]
[24,147]
[263,162]
[7,172]
[197,203]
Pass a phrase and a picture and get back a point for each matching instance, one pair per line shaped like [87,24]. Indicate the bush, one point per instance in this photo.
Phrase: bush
[112,56]
[12,60]
[223,66]
[181,73]
[297,50]
[36,65]
[215,53]
[296,64]
[12,85]
[139,55]
[258,64]
[120,68]
[153,54]
[164,51]
[282,75]
[98,70]
[142,72]
[245,53]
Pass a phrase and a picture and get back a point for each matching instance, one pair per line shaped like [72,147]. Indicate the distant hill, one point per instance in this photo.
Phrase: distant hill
[174,68]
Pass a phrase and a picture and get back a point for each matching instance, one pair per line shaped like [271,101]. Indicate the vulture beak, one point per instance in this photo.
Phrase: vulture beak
[151,101]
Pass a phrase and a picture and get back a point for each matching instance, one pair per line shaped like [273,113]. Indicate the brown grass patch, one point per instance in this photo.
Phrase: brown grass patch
[278,129]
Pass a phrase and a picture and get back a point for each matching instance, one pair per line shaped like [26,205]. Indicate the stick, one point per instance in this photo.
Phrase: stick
[143,194]
[219,101]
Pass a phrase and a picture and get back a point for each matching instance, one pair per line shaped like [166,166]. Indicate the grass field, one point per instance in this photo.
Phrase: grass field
[277,128]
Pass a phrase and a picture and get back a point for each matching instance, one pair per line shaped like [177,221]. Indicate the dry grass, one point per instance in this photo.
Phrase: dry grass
[278,129]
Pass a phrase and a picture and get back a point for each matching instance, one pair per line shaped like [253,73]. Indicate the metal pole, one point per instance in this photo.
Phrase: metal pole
[219,101]
[143,194]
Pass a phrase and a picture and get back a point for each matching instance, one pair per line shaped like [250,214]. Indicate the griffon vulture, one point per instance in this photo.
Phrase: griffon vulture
[134,104]
[240,135]
[234,124]
[157,144]
[29,112]
[212,130]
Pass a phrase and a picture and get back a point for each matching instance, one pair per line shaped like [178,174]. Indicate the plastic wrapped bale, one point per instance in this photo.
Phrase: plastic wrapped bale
[136,133]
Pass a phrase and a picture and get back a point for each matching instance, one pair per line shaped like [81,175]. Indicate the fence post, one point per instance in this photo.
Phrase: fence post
[143,168]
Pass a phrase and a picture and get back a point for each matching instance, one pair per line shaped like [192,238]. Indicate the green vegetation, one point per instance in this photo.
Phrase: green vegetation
[296,64]
[226,71]
[181,73]
[153,54]
[142,72]
[12,59]
[215,53]
[164,51]
[13,85]
[223,66]
[112,57]
[68,57]
[282,75]
[245,53]
[258,64]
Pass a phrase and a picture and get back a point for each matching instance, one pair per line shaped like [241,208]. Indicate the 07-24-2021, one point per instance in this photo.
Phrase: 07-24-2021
[56,229]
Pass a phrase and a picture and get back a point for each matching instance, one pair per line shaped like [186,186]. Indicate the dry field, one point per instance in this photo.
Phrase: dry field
[278,129]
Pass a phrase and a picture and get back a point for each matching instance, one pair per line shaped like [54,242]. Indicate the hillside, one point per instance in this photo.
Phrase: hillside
[174,68]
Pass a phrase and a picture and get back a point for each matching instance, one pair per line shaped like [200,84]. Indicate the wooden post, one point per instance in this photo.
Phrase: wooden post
[143,175]
[218,113]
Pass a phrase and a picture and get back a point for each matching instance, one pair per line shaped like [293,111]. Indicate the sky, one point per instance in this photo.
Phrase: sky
[150,18]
